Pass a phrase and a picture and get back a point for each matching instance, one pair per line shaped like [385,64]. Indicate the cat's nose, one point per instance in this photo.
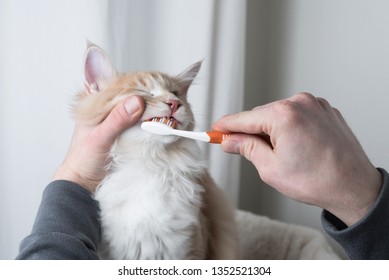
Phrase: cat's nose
[174,104]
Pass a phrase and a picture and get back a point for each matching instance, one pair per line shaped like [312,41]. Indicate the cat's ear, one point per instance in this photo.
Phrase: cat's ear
[98,69]
[186,77]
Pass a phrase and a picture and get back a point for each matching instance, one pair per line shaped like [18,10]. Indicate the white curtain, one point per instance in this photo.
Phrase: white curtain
[41,55]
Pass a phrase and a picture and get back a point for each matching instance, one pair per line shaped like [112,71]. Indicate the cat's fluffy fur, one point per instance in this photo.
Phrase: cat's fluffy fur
[158,200]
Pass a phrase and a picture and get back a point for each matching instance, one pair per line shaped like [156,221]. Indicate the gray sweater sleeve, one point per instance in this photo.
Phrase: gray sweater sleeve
[66,226]
[368,238]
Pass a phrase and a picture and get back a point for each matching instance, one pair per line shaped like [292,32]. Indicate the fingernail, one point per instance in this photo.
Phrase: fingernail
[231,146]
[132,105]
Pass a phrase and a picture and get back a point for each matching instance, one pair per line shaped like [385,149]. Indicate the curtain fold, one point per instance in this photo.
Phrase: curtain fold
[227,85]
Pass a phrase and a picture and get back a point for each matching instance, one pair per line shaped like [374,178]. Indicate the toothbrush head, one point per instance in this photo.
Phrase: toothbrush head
[170,121]
[159,126]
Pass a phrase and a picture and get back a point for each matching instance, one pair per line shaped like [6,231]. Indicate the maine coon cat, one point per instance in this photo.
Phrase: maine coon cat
[158,200]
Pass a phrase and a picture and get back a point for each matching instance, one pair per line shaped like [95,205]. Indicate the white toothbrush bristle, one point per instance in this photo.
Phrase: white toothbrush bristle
[165,120]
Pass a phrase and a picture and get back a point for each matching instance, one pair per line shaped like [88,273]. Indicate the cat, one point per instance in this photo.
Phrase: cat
[158,200]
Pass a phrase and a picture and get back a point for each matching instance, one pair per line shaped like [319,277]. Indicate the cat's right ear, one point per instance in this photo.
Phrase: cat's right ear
[98,69]
[186,78]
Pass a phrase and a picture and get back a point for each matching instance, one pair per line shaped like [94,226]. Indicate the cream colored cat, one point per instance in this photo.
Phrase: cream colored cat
[158,200]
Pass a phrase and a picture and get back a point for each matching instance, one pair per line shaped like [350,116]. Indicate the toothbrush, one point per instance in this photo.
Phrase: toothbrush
[166,126]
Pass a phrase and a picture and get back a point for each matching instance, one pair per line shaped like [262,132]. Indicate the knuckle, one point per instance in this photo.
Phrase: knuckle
[338,114]
[305,97]
[337,111]
[324,103]
[288,111]
[322,100]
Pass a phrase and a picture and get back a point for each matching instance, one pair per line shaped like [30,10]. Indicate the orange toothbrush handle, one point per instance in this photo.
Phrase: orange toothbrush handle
[216,137]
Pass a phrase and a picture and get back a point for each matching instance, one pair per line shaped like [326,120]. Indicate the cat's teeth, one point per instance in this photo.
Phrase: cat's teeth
[165,120]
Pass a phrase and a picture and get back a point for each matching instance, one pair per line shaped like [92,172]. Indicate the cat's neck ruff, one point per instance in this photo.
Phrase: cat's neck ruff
[180,157]
[162,168]
[152,189]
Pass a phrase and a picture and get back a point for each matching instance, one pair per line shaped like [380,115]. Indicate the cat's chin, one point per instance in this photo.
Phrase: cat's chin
[164,139]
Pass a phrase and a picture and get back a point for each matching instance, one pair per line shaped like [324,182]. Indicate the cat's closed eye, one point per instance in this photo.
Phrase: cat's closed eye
[144,91]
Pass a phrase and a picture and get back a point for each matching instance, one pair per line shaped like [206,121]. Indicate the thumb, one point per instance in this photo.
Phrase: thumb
[123,116]
[253,147]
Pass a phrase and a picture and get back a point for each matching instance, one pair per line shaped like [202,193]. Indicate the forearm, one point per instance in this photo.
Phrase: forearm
[367,239]
[66,227]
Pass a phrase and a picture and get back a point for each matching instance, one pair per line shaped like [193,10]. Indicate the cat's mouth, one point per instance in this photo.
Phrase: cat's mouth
[170,121]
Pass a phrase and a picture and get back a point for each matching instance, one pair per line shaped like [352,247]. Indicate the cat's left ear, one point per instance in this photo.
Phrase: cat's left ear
[186,77]
[98,69]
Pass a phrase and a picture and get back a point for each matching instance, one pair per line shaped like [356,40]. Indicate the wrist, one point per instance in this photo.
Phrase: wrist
[358,199]
[64,173]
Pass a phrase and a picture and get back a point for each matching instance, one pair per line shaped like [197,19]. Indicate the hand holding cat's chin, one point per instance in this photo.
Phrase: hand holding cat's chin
[87,157]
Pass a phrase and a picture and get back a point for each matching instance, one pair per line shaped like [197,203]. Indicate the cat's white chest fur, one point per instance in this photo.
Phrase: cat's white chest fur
[150,206]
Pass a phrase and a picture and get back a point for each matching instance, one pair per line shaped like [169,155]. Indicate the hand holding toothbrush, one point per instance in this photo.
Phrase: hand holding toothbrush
[309,154]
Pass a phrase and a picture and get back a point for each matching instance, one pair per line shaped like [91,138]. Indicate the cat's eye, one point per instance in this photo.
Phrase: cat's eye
[144,91]
[175,92]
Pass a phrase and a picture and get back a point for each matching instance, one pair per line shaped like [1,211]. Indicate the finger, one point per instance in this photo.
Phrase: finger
[254,148]
[256,121]
[123,116]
